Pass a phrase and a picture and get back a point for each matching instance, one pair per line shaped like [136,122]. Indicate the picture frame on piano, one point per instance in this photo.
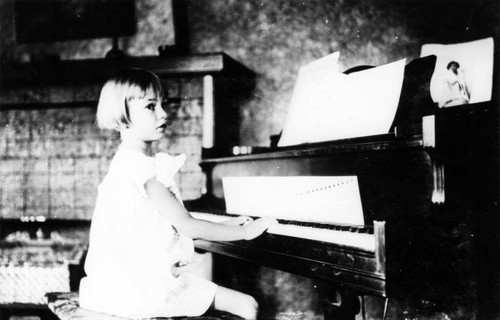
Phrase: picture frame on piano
[463,72]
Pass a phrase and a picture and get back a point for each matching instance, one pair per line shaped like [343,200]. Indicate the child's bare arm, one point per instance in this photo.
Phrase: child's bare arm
[241,220]
[166,204]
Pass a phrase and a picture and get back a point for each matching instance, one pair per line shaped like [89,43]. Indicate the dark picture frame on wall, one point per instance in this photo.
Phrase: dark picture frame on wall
[66,20]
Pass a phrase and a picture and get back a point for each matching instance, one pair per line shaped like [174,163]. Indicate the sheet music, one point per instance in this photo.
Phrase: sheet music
[328,199]
[327,105]
[313,82]
[475,60]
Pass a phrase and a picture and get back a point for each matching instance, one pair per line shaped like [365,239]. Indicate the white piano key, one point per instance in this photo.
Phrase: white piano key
[356,240]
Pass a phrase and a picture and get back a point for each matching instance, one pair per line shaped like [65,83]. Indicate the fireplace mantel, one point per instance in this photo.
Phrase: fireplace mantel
[81,71]
[219,82]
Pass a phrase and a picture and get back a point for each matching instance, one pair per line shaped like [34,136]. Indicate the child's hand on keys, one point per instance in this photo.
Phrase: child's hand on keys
[257,227]
[238,221]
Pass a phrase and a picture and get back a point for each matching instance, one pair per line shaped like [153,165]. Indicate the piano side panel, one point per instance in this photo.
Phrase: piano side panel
[468,140]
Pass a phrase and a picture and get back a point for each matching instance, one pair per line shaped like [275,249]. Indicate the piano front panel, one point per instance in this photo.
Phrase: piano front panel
[396,186]
[314,259]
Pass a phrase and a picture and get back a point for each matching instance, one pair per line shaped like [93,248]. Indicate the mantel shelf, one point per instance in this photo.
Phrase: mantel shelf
[77,71]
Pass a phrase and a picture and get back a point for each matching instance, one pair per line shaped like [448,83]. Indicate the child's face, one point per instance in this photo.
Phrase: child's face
[147,118]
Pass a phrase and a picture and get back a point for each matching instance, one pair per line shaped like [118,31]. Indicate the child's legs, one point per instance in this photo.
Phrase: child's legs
[235,302]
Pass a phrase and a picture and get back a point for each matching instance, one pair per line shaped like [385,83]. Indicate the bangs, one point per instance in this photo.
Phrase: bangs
[139,83]
[137,92]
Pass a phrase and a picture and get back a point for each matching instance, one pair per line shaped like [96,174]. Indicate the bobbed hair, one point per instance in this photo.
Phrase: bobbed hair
[129,84]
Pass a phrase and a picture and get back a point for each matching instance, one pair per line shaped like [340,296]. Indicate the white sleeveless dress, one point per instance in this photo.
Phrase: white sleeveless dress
[133,248]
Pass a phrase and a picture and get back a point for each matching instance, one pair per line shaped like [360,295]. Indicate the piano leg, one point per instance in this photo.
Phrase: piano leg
[363,316]
[341,304]
[386,305]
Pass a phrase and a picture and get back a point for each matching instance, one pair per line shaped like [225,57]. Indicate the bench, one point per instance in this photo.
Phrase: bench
[65,306]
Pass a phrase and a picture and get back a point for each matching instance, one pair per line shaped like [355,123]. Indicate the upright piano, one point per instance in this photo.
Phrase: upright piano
[429,194]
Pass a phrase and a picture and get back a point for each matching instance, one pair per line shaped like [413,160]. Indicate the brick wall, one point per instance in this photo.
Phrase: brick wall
[52,156]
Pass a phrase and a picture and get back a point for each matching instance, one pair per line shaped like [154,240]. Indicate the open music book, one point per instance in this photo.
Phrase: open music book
[327,199]
[328,105]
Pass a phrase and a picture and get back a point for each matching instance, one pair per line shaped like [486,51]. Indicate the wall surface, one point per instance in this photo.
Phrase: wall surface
[52,155]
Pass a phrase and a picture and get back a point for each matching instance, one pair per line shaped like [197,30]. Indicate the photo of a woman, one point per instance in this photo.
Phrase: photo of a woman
[454,90]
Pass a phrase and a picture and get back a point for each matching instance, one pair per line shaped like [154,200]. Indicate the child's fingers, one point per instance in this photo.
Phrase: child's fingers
[267,221]
[178,270]
[241,220]
[245,220]
[259,226]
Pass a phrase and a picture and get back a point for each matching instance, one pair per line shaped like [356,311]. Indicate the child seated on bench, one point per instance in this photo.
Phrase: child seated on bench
[138,263]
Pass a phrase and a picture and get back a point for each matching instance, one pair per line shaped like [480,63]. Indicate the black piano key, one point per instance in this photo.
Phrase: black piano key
[346,228]
[367,229]
[357,229]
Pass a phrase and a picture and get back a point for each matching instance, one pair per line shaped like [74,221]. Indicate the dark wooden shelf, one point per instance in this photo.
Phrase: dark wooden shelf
[77,71]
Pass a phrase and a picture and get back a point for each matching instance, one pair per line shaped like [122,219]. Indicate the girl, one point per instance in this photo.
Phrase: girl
[141,235]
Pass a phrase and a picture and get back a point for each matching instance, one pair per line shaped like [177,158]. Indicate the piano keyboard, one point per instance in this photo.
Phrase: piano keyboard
[360,237]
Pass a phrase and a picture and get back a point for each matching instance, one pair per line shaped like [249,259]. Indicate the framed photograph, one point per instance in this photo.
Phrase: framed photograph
[463,72]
